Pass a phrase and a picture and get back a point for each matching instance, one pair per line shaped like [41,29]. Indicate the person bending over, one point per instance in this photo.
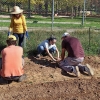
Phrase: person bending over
[72,63]
[48,47]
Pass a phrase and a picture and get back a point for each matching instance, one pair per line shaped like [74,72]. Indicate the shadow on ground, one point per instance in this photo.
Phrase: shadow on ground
[43,60]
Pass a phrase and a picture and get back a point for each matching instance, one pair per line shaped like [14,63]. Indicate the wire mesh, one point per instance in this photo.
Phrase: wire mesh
[39,17]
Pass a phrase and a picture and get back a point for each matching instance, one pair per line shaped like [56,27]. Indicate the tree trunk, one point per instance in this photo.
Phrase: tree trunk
[8,8]
[56,7]
[40,8]
[75,9]
[72,12]
[79,11]
[46,8]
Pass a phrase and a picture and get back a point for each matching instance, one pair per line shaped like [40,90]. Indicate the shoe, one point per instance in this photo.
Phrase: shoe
[23,77]
[76,71]
[38,55]
[89,70]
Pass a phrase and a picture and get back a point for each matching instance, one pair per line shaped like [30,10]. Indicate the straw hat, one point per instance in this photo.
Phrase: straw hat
[16,10]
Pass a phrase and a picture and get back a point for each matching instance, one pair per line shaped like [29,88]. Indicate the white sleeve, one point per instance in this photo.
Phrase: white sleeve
[55,46]
[46,45]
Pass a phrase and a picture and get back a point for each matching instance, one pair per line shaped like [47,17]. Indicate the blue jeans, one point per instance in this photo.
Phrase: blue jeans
[19,37]
[41,50]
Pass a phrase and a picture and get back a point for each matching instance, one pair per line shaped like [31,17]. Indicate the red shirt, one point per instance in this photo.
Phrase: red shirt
[73,47]
[12,61]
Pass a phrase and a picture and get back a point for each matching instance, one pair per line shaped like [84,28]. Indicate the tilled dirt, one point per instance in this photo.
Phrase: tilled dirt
[46,81]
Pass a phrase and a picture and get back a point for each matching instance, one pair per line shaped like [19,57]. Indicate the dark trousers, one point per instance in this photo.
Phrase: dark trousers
[19,37]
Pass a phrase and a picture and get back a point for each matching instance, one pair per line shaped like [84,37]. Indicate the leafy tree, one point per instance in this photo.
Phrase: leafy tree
[74,5]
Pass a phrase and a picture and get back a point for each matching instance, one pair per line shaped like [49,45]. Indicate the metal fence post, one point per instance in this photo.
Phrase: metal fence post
[83,12]
[52,14]
[89,36]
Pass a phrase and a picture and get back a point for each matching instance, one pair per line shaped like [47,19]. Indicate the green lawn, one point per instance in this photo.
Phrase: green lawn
[58,22]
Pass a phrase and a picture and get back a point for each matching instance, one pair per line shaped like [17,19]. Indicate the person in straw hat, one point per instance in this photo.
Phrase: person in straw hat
[11,63]
[18,25]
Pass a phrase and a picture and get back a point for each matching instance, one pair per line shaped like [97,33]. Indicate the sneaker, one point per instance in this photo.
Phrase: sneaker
[23,77]
[89,70]
[76,71]
[38,55]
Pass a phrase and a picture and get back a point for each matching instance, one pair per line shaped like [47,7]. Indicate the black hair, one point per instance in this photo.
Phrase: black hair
[15,15]
[51,38]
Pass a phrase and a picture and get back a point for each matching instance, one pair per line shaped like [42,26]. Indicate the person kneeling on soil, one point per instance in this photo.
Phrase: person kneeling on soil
[48,47]
[72,63]
[11,63]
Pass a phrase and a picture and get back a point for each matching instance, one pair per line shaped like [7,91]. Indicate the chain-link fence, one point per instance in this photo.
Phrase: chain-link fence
[89,39]
[51,12]
[57,15]
[94,40]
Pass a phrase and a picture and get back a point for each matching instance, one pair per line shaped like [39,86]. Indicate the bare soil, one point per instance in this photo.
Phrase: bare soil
[46,81]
